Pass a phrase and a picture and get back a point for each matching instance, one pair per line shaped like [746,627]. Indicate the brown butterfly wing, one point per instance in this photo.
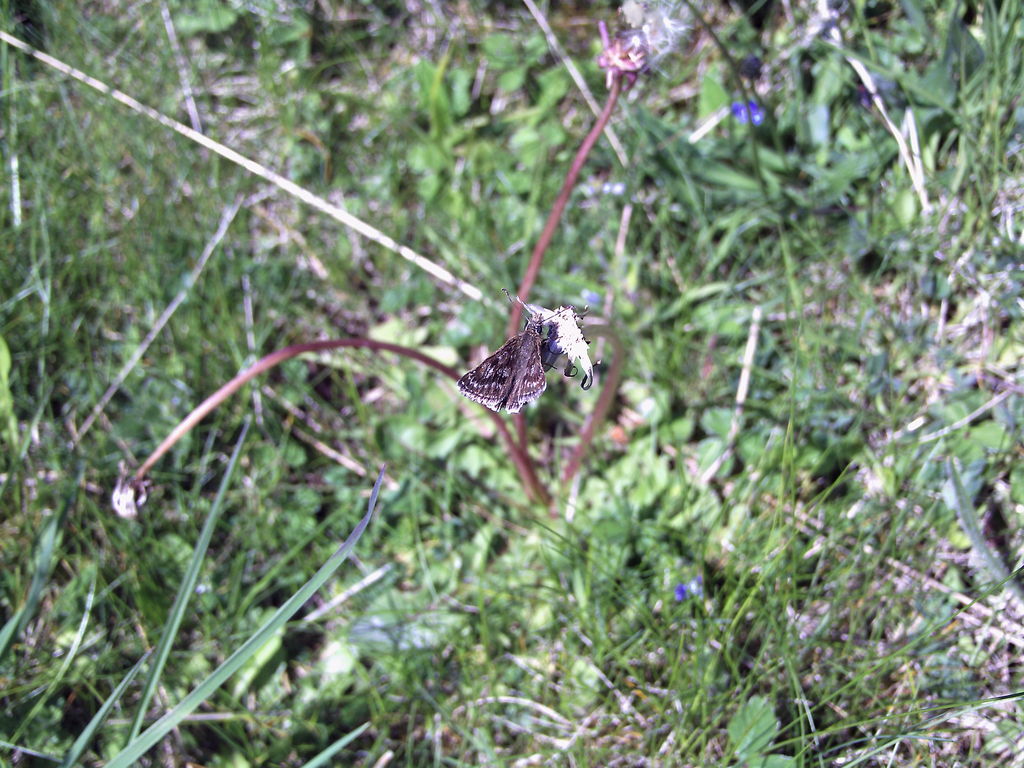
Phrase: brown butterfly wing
[529,382]
[489,382]
[511,377]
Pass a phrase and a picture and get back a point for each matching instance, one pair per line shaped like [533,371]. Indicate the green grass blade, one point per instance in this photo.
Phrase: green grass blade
[45,546]
[967,515]
[78,747]
[8,422]
[324,757]
[185,591]
[135,749]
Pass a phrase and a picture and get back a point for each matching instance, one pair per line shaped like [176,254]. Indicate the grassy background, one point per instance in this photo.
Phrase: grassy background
[850,553]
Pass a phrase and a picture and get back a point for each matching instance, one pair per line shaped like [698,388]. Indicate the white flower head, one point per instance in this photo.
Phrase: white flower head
[657,24]
[129,494]
[564,337]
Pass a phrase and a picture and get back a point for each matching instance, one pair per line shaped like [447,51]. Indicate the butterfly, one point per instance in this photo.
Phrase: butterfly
[511,377]
[514,375]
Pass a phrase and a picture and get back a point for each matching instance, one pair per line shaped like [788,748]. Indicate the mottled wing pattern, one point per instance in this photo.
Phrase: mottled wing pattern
[489,382]
[529,382]
[511,377]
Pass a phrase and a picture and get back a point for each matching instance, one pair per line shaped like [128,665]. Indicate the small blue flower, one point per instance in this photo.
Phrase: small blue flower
[750,111]
[692,588]
[756,114]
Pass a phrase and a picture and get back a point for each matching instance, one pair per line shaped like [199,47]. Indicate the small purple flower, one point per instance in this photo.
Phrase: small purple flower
[756,114]
[750,111]
[692,588]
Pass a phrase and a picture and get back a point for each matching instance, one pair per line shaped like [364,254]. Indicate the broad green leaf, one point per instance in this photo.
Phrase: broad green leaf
[753,728]
[712,97]
[208,16]
[501,51]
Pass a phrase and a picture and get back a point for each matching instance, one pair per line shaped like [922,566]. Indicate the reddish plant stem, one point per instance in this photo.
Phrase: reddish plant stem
[517,449]
[537,257]
[522,461]
[533,268]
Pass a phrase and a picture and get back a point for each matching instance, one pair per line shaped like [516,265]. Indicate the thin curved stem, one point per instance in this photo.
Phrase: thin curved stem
[537,257]
[520,458]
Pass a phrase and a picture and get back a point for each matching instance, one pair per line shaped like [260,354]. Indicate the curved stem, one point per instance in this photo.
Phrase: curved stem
[519,457]
[533,268]
[537,257]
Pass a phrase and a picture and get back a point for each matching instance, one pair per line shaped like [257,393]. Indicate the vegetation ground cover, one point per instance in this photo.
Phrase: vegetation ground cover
[793,537]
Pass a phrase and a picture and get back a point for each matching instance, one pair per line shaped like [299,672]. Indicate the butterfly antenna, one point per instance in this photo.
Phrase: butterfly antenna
[515,300]
[531,315]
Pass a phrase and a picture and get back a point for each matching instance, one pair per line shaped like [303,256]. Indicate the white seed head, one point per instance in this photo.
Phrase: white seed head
[565,331]
[660,24]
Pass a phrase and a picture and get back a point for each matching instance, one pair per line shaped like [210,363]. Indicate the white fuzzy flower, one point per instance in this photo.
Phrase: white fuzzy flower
[564,337]
[658,23]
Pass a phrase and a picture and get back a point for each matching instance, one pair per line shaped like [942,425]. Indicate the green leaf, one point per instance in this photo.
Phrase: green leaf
[712,97]
[991,435]
[1017,484]
[427,158]
[209,17]
[526,144]
[753,728]
[818,125]
[512,80]
[905,206]
[716,421]
[461,85]
[963,53]
[914,13]
[554,84]
[501,51]
[935,87]
[434,97]
[296,29]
